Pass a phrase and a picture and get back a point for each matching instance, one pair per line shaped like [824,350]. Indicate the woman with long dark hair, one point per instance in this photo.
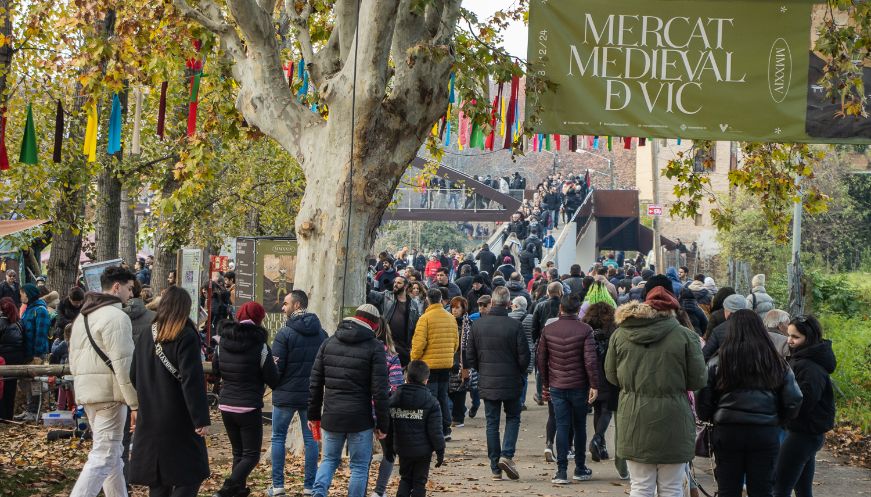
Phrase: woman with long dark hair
[600,317]
[11,350]
[750,393]
[813,361]
[169,451]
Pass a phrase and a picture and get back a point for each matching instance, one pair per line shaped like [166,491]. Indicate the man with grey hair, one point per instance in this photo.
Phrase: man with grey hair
[499,351]
[777,321]
[732,304]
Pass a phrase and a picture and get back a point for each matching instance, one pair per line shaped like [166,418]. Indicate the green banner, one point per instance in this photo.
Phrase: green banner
[700,69]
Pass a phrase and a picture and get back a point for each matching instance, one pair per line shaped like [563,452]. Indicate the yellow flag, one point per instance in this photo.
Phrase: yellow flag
[502,117]
[90,148]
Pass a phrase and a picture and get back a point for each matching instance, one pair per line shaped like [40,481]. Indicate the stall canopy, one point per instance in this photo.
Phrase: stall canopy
[10,227]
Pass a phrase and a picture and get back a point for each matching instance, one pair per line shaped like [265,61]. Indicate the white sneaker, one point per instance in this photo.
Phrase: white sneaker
[307,491]
[376,494]
[275,492]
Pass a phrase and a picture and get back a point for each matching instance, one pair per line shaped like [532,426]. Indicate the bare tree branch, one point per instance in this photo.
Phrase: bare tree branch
[209,15]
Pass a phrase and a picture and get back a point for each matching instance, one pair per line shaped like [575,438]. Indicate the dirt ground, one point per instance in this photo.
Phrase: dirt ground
[30,466]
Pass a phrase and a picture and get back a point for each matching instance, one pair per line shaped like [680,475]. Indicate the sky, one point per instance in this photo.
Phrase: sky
[515,36]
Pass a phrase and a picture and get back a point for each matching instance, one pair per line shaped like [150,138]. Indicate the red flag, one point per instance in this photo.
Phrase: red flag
[557,139]
[642,142]
[488,144]
[4,157]
[573,143]
[627,143]
[289,68]
[510,117]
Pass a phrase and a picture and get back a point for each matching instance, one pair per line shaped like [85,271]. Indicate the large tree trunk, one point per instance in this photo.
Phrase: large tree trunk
[128,227]
[108,215]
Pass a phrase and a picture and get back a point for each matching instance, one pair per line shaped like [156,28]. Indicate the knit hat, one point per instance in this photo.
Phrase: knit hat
[498,281]
[478,279]
[636,280]
[32,292]
[734,303]
[660,280]
[251,311]
[368,314]
[758,280]
[506,260]
[661,299]
[646,274]
[710,284]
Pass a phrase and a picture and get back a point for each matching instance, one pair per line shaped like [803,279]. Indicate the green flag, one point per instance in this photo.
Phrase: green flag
[29,154]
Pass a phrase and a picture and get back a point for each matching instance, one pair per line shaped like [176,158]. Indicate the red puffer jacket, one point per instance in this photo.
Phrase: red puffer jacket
[566,355]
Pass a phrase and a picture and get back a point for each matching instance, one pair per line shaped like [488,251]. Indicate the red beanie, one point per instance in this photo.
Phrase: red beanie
[251,311]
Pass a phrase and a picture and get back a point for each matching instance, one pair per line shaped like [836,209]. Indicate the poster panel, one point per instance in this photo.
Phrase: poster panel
[275,268]
[189,277]
[244,270]
[92,273]
[740,70]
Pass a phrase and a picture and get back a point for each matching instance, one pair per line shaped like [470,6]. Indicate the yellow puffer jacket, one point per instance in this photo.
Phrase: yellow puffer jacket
[435,338]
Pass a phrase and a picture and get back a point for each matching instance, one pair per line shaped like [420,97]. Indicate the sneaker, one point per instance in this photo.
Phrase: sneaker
[571,454]
[603,453]
[595,450]
[473,411]
[497,476]
[548,453]
[448,437]
[560,478]
[275,492]
[459,425]
[583,474]
[307,491]
[507,465]
[624,475]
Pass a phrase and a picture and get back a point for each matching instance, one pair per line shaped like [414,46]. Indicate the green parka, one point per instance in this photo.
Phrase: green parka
[654,361]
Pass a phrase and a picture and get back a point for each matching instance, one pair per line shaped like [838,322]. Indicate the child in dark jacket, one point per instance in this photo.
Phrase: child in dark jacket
[417,430]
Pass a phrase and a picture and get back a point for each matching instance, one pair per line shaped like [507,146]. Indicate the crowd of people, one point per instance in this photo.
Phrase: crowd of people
[657,354]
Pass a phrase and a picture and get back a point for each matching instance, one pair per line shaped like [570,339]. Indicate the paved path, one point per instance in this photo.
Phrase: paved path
[467,471]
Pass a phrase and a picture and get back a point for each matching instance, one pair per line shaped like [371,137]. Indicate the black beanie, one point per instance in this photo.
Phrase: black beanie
[655,281]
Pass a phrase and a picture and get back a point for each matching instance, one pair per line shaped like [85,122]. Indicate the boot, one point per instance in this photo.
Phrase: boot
[228,489]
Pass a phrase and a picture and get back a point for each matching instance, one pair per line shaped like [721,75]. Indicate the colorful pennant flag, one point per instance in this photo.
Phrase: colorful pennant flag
[161,110]
[58,133]
[4,157]
[114,142]
[90,148]
[135,140]
[29,150]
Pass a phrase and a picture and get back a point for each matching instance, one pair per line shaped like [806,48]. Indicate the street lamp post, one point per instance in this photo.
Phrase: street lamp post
[610,166]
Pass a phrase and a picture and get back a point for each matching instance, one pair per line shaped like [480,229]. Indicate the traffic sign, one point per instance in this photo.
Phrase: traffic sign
[654,210]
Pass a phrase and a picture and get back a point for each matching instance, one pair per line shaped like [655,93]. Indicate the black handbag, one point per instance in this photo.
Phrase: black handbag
[704,445]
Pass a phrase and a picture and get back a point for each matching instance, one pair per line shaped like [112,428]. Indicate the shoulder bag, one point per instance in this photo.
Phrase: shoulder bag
[102,355]
[158,351]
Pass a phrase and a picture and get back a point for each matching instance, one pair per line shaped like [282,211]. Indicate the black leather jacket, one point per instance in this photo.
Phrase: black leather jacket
[748,407]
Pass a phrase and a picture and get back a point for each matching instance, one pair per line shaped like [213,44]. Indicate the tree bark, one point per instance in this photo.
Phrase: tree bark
[128,227]
[108,215]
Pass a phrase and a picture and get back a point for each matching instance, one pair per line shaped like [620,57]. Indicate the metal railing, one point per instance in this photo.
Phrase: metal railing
[448,198]
[551,252]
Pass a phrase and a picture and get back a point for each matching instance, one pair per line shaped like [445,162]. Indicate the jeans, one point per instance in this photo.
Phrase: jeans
[281,418]
[170,491]
[662,480]
[492,410]
[413,474]
[550,426]
[360,452]
[745,452]
[475,397]
[386,467]
[523,392]
[796,464]
[458,406]
[439,380]
[245,432]
[570,409]
[104,468]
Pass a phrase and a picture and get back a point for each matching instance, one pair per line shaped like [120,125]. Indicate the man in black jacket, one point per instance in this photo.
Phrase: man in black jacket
[479,289]
[348,377]
[499,351]
[401,313]
[575,281]
[516,288]
[10,288]
[486,259]
[465,279]
[518,226]
[295,347]
[416,431]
